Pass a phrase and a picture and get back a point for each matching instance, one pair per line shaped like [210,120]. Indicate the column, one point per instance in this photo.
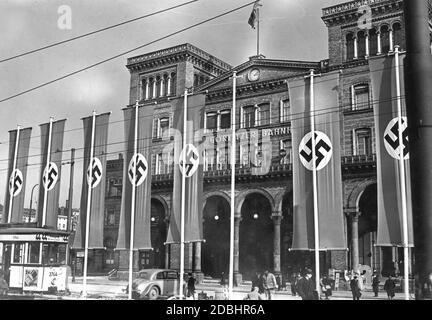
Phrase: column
[353,216]
[237,275]
[169,86]
[161,91]
[391,40]
[167,256]
[277,219]
[147,89]
[154,88]
[379,50]
[367,43]
[355,47]
[140,90]
[199,275]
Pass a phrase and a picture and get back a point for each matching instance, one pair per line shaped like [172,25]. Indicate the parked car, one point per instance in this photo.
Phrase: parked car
[154,283]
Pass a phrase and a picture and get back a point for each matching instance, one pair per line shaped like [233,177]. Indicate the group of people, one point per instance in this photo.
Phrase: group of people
[265,283]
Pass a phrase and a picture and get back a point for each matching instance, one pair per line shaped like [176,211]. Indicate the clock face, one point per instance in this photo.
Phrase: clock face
[254,75]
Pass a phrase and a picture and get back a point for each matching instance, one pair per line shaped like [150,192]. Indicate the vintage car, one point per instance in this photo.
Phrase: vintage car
[155,283]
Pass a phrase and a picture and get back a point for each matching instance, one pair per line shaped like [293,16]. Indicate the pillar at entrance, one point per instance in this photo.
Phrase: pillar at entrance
[277,219]
[353,216]
[167,256]
[199,275]
[237,275]
[123,269]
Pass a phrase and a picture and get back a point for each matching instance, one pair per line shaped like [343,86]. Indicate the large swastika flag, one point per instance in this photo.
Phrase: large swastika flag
[327,162]
[389,149]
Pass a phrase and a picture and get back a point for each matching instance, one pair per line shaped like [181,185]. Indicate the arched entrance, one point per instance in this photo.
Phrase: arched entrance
[256,236]
[216,228]
[291,261]
[156,257]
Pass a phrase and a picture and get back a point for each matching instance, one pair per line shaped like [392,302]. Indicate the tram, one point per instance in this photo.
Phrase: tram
[34,259]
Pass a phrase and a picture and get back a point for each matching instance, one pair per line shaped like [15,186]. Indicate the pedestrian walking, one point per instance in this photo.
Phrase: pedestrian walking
[253,295]
[326,286]
[222,282]
[389,287]
[305,286]
[294,281]
[191,286]
[356,285]
[4,288]
[278,282]
[375,283]
[269,284]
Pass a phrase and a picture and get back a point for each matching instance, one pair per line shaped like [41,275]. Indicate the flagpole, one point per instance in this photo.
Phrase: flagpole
[13,173]
[183,194]
[402,178]
[44,208]
[89,194]
[132,231]
[233,163]
[314,182]
[258,29]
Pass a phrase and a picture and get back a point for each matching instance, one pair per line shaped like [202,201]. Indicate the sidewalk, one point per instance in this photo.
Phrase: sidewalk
[102,288]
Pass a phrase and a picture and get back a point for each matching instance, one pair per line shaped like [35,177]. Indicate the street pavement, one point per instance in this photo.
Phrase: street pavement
[100,288]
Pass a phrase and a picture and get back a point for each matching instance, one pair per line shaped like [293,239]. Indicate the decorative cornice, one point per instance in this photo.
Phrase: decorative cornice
[348,12]
[177,54]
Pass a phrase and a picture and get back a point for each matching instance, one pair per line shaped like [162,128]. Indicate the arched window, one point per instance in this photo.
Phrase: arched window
[373,42]
[350,46]
[385,39]
[166,84]
[225,119]
[158,86]
[173,83]
[398,35]
[361,44]
[151,91]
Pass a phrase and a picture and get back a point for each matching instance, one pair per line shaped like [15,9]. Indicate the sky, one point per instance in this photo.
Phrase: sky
[289,29]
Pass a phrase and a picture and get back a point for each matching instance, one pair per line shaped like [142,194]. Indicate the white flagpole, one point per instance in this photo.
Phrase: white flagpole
[132,231]
[402,178]
[233,163]
[89,194]
[13,172]
[44,208]
[314,182]
[183,194]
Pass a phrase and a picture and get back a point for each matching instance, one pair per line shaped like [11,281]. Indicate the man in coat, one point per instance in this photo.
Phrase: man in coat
[375,283]
[305,286]
[269,284]
[389,287]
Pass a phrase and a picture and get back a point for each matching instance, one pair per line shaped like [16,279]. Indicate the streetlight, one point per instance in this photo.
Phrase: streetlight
[31,201]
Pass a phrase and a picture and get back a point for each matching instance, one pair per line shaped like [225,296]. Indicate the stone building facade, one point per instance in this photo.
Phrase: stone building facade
[263,208]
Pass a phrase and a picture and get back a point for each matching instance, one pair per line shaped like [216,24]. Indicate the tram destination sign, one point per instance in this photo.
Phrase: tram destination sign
[38,237]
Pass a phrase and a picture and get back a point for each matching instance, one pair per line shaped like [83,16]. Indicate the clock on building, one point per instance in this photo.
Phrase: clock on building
[254,75]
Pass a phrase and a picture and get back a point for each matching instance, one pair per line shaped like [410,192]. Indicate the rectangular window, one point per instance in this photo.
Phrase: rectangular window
[211,121]
[164,127]
[18,256]
[363,142]
[287,147]
[285,111]
[244,155]
[360,97]
[248,117]
[225,119]
[264,114]
[110,218]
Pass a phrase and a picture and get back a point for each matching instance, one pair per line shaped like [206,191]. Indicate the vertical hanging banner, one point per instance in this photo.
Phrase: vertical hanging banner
[142,166]
[94,176]
[327,164]
[52,150]
[389,196]
[17,173]
[193,170]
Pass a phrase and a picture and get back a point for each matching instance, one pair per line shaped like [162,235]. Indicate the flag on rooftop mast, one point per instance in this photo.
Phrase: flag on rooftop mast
[254,20]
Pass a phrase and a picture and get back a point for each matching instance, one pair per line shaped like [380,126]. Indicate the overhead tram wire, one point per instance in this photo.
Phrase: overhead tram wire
[239,126]
[126,52]
[146,148]
[95,32]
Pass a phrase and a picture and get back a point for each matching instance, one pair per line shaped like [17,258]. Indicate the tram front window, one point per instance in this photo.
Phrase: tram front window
[33,252]
[18,253]
[54,254]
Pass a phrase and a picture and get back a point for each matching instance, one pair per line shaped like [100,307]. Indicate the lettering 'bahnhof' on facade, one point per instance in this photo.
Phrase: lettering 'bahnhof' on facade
[263,208]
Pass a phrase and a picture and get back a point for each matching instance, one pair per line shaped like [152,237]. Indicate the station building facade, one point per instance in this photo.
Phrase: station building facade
[263,208]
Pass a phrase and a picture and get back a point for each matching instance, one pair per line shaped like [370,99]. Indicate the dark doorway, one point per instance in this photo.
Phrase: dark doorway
[156,258]
[216,227]
[256,236]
